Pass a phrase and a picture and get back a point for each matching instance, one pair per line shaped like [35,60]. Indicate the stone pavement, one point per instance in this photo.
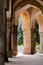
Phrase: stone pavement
[21,59]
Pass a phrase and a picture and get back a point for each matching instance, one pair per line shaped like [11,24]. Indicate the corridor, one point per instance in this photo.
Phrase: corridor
[30,11]
[22,59]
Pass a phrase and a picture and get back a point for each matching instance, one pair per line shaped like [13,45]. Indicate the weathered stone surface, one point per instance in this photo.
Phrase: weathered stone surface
[8,37]
[2,32]
[14,44]
[1,46]
[40,21]
[1,59]
[26,32]
[41,42]
[33,45]
[2,26]
[27,42]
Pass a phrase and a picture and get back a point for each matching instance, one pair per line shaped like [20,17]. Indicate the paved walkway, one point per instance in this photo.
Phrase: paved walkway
[21,59]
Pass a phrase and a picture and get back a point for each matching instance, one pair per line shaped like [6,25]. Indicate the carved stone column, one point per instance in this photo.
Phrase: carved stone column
[8,37]
[27,41]
[41,42]
[40,21]
[8,28]
[26,32]
[2,32]
[14,44]
[33,44]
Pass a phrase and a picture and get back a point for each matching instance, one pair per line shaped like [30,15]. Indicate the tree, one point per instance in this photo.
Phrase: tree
[36,32]
[20,32]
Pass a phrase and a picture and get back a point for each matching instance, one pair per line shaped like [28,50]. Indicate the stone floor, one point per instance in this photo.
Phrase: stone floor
[22,59]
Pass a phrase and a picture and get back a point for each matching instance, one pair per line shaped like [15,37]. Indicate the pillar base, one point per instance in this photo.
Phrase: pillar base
[14,52]
[26,51]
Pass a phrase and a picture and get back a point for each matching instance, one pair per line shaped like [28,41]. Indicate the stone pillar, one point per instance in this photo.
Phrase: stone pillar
[40,21]
[2,32]
[26,32]
[8,29]
[33,44]
[8,37]
[27,41]
[41,42]
[14,44]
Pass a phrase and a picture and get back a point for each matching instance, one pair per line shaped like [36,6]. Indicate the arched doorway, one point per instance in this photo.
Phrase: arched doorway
[37,37]
[32,11]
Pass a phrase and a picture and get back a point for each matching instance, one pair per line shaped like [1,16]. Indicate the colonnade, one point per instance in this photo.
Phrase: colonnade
[7,48]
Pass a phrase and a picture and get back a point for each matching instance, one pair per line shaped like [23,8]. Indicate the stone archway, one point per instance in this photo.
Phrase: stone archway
[26,32]
[34,14]
[40,21]
[18,9]
[22,3]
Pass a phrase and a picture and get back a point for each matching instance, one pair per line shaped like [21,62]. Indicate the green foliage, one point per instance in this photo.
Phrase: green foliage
[20,33]
[37,47]
[36,32]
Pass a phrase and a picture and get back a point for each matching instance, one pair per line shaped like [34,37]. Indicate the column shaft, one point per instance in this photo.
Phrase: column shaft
[14,44]
[27,42]
[41,42]
[8,37]
[2,32]
[33,45]
[40,21]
